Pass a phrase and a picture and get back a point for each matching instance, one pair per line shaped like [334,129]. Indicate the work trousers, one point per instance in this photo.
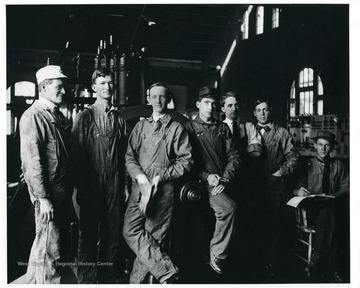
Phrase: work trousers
[225,212]
[99,242]
[147,236]
[273,208]
[50,245]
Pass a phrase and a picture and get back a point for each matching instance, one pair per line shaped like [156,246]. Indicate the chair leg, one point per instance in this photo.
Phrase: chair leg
[310,247]
[309,256]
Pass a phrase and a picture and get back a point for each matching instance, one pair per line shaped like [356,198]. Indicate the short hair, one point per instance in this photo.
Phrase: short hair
[227,95]
[43,83]
[159,84]
[100,72]
[259,101]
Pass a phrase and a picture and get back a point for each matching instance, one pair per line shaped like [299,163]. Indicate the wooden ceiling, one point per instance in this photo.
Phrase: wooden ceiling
[169,31]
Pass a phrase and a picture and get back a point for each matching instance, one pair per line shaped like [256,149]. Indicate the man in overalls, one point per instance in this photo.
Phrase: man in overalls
[98,147]
[158,154]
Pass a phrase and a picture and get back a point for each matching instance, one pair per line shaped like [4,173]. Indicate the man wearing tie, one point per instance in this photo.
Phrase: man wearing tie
[248,143]
[325,175]
[246,136]
[279,160]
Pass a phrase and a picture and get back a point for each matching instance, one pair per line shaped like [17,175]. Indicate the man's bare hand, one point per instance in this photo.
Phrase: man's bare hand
[144,184]
[145,190]
[302,192]
[218,189]
[46,209]
[213,180]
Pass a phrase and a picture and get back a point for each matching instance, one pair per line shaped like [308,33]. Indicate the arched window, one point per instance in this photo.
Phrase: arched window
[21,94]
[306,94]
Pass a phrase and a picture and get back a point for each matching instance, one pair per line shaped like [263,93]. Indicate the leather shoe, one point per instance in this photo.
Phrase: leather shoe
[216,264]
[173,278]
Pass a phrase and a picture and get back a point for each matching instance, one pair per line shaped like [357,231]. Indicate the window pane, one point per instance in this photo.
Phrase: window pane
[320,86]
[245,23]
[245,26]
[320,107]
[301,79]
[307,102]
[275,17]
[302,103]
[311,103]
[25,88]
[311,77]
[8,95]
[260,20]
[292,110]
[306,77]
[293,91]
[11,122]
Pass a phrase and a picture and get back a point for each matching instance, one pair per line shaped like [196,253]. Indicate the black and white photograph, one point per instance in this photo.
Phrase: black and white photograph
[180,143]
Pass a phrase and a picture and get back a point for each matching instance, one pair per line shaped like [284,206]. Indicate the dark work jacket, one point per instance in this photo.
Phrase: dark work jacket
[279,152]
[311,177]
[214,149]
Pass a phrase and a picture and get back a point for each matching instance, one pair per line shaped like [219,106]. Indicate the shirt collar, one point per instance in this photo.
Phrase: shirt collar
[270,125]
[156,118]
[103,107]
[48,104]
[199,120]
[229,121]
[164,118]
[323,161]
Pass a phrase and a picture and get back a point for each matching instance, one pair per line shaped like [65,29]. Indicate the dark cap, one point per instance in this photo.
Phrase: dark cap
[206,92]
[323,134]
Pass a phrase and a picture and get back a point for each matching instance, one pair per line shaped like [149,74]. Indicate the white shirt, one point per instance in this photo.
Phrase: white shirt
[47,103]
[156,118]
[253,135]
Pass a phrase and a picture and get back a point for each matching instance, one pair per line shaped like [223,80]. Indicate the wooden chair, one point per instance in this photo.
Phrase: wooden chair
[304,236]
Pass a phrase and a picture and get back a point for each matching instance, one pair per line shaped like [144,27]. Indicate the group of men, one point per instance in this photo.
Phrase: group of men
[97,157]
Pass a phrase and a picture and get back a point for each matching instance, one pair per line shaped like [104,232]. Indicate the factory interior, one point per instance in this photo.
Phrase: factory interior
[295,55]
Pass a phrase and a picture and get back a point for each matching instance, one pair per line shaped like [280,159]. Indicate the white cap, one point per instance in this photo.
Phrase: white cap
[49,72]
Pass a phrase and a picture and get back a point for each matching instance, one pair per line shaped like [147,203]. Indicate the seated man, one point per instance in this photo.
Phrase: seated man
[217,162]
[324,175]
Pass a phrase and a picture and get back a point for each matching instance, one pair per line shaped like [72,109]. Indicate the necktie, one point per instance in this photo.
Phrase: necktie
[59,115]
[262,129]
[157,125]
[326,180]
[235,129]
